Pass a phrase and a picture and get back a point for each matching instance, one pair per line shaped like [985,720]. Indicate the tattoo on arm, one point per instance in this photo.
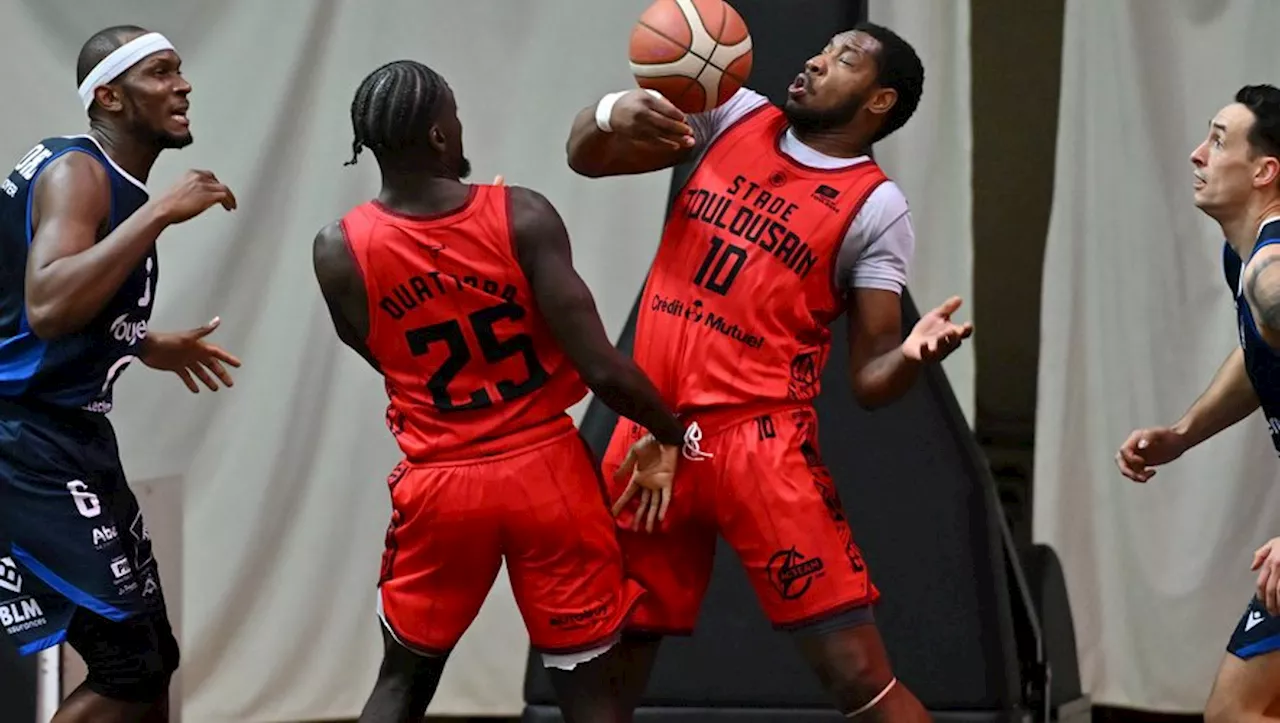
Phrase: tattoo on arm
[1263,288]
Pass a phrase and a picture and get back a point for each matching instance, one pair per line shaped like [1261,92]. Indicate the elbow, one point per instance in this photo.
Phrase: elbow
[868,395]
[601,380]
[45,322]
[868,400]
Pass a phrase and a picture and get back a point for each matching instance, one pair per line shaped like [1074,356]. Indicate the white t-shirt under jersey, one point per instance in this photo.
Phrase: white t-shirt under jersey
[876,253]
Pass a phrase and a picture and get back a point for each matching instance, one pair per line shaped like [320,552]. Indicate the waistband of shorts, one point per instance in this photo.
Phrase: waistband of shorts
[26,409]
[494,449]
[713,420]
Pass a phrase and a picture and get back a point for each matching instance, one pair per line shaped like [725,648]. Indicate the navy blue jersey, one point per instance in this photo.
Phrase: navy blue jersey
[1261,361]
[76,370]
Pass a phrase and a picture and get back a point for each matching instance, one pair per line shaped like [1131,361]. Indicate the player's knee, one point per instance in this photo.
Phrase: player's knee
[1237,699]
[1223,709]
[137,663]
[858,693]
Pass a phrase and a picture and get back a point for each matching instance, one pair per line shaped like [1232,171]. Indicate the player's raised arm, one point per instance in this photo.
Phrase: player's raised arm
[542,246]
[69,277]
[343,289]
[625,133]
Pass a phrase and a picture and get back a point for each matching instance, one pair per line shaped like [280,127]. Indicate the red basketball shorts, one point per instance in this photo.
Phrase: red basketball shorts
[542,509]
[767,492]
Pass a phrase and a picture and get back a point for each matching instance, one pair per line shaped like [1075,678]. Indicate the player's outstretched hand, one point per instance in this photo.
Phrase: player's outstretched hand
[1147,448]
[1266,561]
[649,118]
[189,356]
[650,468]
[193,194]
[934,337]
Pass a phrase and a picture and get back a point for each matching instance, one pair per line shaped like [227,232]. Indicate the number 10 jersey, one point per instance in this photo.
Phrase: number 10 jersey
[467,358]
[739,298]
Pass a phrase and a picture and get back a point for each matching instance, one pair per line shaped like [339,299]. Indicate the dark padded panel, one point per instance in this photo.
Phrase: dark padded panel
[544,714]
[1049,592]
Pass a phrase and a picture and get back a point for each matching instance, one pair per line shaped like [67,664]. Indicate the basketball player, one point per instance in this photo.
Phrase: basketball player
[465,299]
[77,283]
[785,224]
[1236,173]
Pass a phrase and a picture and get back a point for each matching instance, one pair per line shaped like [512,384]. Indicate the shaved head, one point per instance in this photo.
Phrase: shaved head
[102,44]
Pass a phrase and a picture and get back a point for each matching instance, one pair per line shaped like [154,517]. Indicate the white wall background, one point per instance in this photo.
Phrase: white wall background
[283,504]
[1136,319]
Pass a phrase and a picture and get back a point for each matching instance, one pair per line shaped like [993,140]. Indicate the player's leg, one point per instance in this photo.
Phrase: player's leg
[778,507]
[130,665]
[1247,689]
[80,569]
[850,660]
[443,552]
[406,683]
[567,574]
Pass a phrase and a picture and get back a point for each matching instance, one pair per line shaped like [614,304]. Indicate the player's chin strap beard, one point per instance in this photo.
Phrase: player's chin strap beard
[692,444]
[120,60]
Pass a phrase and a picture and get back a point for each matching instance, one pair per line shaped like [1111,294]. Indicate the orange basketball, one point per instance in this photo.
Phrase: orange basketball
[696,53]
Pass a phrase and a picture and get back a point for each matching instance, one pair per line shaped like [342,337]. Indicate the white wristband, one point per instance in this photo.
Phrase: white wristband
[604,109]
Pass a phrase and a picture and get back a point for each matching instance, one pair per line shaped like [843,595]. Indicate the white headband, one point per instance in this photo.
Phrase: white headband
[121,59]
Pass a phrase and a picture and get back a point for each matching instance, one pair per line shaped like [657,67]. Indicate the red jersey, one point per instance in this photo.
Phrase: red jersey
[742,290]
[453,326]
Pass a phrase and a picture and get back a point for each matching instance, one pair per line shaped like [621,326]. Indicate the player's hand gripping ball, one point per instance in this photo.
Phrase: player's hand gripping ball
[696,53]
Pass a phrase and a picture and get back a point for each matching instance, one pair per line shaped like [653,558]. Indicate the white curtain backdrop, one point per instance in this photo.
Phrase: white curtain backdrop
[283,504]
[930,159]
[1136,319]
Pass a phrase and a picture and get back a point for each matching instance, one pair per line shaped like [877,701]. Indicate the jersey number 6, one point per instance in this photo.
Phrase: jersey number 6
[493,350]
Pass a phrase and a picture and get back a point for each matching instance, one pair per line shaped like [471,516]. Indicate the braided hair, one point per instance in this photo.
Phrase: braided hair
[392,107]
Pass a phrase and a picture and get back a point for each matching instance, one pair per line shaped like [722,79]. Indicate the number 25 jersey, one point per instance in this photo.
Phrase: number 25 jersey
[466,356]
[740,295]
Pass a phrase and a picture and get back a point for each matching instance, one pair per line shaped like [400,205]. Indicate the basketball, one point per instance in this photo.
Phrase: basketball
[696,53]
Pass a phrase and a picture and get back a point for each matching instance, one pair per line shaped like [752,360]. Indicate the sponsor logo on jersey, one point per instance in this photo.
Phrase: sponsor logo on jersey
[128,331]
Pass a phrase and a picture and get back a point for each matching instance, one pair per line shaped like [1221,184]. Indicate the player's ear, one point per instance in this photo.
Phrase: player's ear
[1268,172]
[109,97]
[437,138]
[883,100]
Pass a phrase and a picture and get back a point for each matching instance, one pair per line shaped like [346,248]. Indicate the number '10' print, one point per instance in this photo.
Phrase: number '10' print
[712,274]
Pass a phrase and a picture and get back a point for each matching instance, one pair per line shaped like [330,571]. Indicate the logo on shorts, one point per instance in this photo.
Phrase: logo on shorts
[10,579]
[86,502]
[1255,619]
[580,618]
[142,549]
[104,535]
[792,573]
[805,375]
[120,568]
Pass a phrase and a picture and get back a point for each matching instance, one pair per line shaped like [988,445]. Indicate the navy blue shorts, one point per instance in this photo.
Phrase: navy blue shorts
[72,539]
[1257,633]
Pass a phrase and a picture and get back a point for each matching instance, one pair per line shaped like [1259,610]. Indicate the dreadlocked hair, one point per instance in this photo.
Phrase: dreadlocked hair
[392,107]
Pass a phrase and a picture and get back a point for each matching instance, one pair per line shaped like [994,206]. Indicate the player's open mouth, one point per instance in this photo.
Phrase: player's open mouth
[798,86]
[180,116]
[1198,182]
